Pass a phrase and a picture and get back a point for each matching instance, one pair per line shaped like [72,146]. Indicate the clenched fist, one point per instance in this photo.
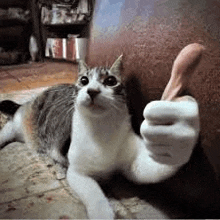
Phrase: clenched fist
[170,130]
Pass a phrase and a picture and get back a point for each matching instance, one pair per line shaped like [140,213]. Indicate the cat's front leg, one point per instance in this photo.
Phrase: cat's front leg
[90,193]
[170,131]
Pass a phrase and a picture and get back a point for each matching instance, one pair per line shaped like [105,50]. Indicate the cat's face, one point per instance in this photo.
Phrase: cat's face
[100,90]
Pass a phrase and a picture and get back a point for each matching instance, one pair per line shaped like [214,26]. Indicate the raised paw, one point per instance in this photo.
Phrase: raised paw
[171,129]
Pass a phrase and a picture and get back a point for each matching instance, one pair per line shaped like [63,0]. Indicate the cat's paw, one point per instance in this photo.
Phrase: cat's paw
[102,210]
[171,129]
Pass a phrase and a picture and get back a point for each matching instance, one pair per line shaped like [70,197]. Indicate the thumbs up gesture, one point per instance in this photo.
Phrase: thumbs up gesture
[171,130]
[171,126]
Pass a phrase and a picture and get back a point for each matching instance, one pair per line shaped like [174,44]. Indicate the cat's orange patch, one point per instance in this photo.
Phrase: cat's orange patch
[28,125]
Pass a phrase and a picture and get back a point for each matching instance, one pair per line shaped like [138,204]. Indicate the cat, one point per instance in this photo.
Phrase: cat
[86,127]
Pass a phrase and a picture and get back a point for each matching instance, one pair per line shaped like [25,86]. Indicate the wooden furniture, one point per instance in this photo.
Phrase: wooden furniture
[15,30]
[49,20]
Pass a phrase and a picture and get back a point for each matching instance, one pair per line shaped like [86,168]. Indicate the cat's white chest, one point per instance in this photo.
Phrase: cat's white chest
[95,146]
[91,158]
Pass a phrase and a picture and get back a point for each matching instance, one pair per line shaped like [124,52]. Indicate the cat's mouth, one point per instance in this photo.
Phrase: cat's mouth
[95,106]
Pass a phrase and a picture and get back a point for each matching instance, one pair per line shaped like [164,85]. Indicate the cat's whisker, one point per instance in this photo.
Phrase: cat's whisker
[115,106]
[120,101]
[119,97]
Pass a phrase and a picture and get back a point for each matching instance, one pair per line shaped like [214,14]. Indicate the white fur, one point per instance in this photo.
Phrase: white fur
[7,133]
[171,130]
[13,129]
[102,142]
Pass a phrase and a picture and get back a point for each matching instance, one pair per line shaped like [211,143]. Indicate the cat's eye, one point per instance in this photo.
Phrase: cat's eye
[110,81]
[84,80]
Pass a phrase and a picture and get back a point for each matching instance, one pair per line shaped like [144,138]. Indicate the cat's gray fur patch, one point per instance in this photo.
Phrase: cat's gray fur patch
[52,115]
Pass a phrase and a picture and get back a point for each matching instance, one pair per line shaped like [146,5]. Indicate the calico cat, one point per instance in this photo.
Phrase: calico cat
[86,127]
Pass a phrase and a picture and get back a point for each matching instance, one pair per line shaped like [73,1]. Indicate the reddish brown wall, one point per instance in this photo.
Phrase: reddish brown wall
[150,34]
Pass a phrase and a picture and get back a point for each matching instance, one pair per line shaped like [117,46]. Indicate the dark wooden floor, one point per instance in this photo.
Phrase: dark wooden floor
[33,75]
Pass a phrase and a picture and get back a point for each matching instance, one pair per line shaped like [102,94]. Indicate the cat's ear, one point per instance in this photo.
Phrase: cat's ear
[82,66]
[117,66]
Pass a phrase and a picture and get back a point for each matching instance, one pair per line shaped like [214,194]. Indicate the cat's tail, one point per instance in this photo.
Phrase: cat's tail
[10,124]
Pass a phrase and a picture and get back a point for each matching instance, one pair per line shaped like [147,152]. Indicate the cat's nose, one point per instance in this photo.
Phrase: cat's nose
[93,93]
